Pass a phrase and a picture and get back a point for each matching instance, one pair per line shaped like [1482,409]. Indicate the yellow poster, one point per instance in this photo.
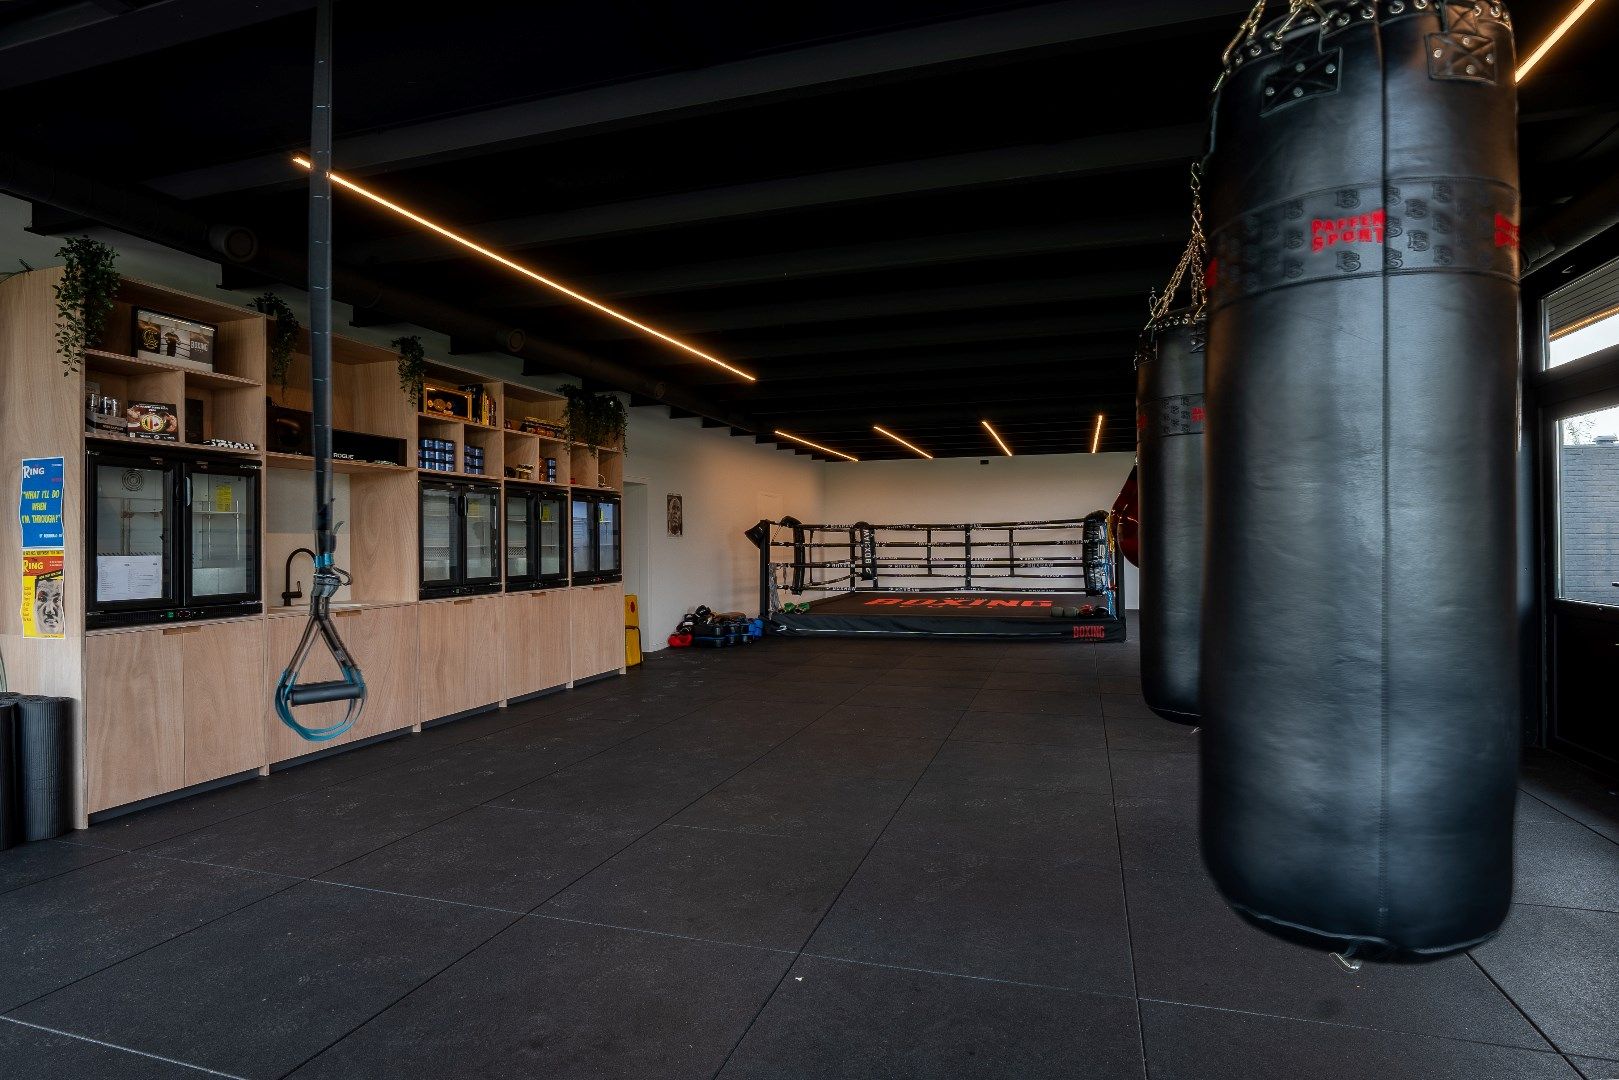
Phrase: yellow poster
[222,499]
[44,608]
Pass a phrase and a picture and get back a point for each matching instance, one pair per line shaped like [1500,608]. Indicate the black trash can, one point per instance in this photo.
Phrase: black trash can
[44,751]
[10,775]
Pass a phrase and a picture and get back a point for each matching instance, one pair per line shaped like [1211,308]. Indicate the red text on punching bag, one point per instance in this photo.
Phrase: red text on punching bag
[1360,229]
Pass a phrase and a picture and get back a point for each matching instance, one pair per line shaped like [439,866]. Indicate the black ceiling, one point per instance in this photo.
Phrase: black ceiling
[913,213]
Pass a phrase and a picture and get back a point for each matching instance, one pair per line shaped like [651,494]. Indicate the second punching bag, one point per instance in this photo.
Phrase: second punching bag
[1169,457]
[1359,664]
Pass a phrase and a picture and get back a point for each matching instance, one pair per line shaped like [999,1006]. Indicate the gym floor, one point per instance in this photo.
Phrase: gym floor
[804,859]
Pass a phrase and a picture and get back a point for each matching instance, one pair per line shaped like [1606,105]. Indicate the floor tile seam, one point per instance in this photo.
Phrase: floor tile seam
[1024,983]
[516,919]
[825,912]
[1129,928]
[114,853]
[1519,1009]
[292,884]
[495,909]
[928,849]
[1571,820]
[1549,1050]
[1565,907]
[775,950]
[123,1049]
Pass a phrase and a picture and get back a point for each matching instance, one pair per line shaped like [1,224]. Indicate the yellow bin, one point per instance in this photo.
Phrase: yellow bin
[632,630]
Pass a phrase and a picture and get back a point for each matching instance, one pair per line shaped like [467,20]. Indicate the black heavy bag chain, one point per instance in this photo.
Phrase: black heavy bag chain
[1169,464]
[1359,659]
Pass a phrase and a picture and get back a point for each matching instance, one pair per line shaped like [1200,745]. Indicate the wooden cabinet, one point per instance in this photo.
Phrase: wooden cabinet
[383,642]
[536,635]
[169,707]
[223,679]
[598,629]
[461,656]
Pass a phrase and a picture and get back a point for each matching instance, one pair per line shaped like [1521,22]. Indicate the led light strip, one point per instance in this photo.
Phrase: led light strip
[902,442]
[1556,35]
[1007,450]
[473,245]
[1096,439]
[815,446]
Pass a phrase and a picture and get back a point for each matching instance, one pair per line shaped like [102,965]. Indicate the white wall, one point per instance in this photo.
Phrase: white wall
[729,484]
[960,490]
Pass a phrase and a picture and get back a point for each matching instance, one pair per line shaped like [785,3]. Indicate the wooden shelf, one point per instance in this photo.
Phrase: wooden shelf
[301,461]
[101,360]
[167,444]
[457,420]
[486,477]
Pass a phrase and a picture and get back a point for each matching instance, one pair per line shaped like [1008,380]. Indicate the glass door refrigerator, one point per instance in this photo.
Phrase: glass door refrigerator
[460,539]
[170,539]
[596,538]
[536,557]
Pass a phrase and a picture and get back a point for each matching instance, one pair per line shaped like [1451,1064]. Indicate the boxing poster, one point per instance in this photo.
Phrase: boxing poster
[39,518]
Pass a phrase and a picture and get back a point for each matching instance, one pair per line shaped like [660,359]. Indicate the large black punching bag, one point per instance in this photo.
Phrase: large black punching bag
[1360,661]
[1169,463]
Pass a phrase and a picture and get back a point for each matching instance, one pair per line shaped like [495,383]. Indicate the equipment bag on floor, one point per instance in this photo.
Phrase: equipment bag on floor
[1360,663]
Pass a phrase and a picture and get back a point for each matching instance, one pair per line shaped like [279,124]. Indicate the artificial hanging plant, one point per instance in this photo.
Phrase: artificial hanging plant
[595,419]
[283,338]
[84,297]
[412,367]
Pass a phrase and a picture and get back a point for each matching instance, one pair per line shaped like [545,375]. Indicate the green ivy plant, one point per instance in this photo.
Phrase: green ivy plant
[595,419]
[412,367]
[84,297]
[283,338]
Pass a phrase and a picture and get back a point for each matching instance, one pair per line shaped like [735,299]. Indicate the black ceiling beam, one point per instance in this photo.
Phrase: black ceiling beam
[945,334]
[1036,383]
[980,168]
[783,267]
[1100,286]
[931,361]
[75,37]
[912,52]
[370,316]
[1084,398]
[963,412]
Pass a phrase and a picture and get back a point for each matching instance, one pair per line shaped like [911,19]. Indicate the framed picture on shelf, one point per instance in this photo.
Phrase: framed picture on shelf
[157,420]
[675,512]
[173,340]
[442,401]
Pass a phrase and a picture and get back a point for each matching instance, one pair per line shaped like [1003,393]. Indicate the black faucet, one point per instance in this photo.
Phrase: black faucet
[288,593]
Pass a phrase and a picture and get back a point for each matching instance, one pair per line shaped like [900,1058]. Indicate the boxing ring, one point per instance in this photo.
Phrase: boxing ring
[1050,580]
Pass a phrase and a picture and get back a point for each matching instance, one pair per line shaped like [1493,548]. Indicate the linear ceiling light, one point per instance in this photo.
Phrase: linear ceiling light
[493,256]
[816,446]
[1096,437]
[1556,35]
[1007,450]
[902,442]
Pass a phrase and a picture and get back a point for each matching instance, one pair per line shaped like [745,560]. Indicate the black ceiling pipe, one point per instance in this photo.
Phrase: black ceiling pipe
[163,220]
[1571,225]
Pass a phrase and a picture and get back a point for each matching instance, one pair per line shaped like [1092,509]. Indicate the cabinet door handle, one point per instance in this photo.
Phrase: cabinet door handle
[458,603]
[345,614]
[175,631]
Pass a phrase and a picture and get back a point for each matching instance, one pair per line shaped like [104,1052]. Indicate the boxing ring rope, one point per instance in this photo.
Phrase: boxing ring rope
[1059,556]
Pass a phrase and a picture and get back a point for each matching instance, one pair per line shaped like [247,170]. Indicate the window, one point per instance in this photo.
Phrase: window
[1588,507]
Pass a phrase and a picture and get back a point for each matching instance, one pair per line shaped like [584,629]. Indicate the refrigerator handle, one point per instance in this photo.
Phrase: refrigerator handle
[188,490]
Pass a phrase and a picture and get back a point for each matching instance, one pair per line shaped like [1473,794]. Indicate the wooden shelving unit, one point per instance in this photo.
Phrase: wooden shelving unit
[165,708]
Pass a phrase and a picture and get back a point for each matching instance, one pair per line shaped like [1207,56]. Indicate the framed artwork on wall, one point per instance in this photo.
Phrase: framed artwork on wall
[675,513]
[183,342]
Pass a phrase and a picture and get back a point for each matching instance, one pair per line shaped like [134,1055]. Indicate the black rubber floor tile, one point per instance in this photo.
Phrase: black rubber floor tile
[932,677]
[1572,789]
[67,927]
[1565,865]
[1015,919]
[513,859]
[914,697]
[991,819]
[1159,834]
[158,823]
[1186,1043]
[858,1022]
[1127,705]
[459,776]
[1044,702]
[43,1055]
[776,802]
[28,863]
[1190,948]
[1149,733]
[1595,1069]
[308,835]
[798,691]
[1032,729]
[1532,809]
[867,757]
[565,1001]
[1561,967]
[623,786]
[260,991]
[947,660]
[1059,682]
[1080,661]
[1154,774]
[892,721]
[741,888]
[1015,765]
[468,728]
[1123,684]
[761,702]
[566,738]
[734,736]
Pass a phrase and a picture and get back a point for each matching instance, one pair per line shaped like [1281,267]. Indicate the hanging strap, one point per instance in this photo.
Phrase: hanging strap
[1190,276]
[327,578]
